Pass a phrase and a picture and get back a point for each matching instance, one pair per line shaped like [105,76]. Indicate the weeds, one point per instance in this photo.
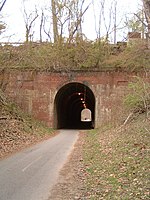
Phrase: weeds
[79,55]
[138,99]
[117,163]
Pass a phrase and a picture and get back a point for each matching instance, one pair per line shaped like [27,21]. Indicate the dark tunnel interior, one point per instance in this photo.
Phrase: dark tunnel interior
[70,100]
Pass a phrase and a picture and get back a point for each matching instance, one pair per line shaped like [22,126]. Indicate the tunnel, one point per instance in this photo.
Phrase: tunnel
[69,103]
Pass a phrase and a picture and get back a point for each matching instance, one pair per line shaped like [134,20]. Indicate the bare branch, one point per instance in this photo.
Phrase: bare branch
[1,7]
[29,20]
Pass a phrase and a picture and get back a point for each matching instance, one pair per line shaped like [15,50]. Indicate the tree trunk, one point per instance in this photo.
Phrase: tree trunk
[146,4]
[41,25]
[55,25]
[148,35]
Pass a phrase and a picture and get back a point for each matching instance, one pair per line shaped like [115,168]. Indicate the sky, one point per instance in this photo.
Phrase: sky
[13,16]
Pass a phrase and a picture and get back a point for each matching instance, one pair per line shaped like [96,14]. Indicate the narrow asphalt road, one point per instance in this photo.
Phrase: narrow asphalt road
[30,174]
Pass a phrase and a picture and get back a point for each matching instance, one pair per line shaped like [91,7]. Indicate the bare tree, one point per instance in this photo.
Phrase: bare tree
[76,20]
[47,29]
[146,4]
[67,18]
[108,22]
[55,20]
[41,25]
[29,23]
[115,21]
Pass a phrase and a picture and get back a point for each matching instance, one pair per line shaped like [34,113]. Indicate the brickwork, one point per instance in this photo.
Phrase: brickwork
[35,92]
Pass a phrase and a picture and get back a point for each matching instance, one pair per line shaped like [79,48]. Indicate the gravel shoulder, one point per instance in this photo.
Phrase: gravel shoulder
[70,183]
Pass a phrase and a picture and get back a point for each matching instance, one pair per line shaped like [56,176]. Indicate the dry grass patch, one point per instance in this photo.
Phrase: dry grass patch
[117,162]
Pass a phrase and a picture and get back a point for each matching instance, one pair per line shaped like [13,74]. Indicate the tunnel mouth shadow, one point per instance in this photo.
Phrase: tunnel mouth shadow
[70,100]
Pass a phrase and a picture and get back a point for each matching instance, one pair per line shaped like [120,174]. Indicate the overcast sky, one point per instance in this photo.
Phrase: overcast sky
[13,17]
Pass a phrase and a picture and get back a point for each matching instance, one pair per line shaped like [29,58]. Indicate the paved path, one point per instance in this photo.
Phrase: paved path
[30,174]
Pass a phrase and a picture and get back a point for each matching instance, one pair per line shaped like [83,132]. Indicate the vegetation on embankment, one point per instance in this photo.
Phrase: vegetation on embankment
[133,58]
[18,130]
[117,162]
[117,159]
[80,55]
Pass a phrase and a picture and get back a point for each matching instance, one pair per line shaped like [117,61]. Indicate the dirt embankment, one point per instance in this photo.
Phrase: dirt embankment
[18,130]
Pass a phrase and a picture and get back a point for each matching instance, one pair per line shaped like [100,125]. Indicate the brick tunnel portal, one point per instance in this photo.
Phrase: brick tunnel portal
[70,101]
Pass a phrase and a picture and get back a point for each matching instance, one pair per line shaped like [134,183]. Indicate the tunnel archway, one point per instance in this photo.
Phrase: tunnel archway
[70,100]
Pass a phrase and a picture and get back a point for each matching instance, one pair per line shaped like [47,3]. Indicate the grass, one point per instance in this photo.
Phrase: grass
[134,57]
[82,55]
[117,163]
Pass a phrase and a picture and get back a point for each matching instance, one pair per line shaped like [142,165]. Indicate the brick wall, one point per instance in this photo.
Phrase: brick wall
[35,92]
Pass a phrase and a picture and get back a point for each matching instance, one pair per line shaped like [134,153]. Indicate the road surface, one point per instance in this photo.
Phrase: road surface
[30,174]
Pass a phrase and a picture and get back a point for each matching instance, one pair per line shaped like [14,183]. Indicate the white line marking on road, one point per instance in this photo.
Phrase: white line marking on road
[24,169]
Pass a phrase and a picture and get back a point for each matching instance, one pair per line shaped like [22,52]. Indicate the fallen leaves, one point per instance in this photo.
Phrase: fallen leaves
[17,130]
[117,163]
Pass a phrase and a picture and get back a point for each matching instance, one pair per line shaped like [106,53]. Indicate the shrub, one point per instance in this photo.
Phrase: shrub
[138,99]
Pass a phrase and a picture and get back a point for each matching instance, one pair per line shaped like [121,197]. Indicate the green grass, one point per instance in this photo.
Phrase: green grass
[82,55]
[117,163]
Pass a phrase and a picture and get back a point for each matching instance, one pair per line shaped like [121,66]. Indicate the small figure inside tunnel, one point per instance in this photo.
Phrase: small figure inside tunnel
[70,101]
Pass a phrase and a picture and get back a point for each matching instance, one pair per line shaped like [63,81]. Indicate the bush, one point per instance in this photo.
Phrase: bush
[138,99]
